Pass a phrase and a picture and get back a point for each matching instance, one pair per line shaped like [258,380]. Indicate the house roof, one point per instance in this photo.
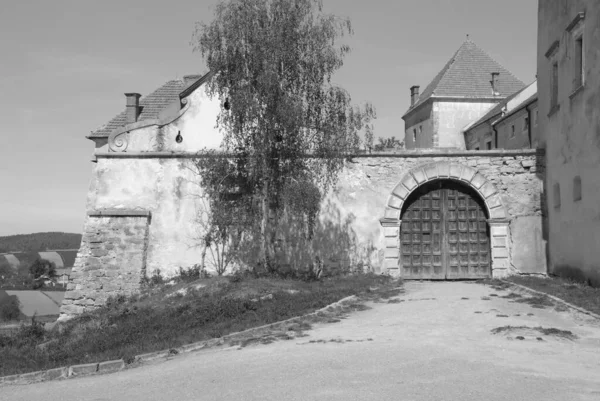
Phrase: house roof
[509,105]
[152,104]
[467,74]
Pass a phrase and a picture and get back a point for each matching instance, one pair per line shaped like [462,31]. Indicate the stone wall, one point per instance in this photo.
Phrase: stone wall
[111,260]
[121,245]
[368,185]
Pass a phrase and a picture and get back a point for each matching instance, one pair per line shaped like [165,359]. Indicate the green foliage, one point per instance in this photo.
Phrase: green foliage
[388,143]
[42,269]
[9,307]
[272,62]
[130,326]
[39,242]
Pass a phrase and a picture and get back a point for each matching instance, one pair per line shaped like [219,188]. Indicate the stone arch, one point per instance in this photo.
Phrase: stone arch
[498,216]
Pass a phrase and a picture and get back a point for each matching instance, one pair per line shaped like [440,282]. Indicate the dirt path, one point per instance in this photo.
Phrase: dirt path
[434,342]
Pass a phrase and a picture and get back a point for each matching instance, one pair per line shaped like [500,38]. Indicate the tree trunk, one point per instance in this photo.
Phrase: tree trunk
[264,240]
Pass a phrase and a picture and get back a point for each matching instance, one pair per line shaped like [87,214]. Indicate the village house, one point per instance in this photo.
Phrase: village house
[466,88]
[568,63]
[511,124]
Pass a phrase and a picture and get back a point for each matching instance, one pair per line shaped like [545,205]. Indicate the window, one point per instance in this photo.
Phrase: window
[577,188]
[415,136]
[578,67]
[535,118]
[476,148]
[526,124]
[554,86]
[512,130]
[488,144]
[556,195]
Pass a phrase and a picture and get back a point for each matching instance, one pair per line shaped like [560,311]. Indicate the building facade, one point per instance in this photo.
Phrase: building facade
[568,62]
[417,214]
[466,88]
[511,124]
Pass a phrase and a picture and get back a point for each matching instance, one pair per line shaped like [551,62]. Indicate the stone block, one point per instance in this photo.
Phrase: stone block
[391,263]
[499,253]
[391,231]
[419,175]
[391,242]
[455,170]
[71,309]
[73,294]
[494,201]
[99,252]
[443,169]
[478,180]
[93,262]
[111,366]
[499,230]
[499,242]
[395,202]
[467,173]
[400,191]
[80,370]
[409,182]
[497,213]
[527,163]
[431,171]
[392,213]
[53,374]
[501,263]
[487,190]
[499,273]
[391,253]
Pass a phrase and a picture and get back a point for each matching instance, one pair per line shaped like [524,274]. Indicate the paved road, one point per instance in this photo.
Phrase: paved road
[431,346]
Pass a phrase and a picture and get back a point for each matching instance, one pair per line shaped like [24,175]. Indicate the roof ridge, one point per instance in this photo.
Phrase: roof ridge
[466,75]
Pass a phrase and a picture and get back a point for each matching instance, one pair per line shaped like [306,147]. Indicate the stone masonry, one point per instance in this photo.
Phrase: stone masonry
[111,260]
[121,240]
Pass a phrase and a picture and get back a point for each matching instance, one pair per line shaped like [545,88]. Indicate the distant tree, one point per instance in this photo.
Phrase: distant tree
[273,62]
[9,308]
[388,143]
[41,270]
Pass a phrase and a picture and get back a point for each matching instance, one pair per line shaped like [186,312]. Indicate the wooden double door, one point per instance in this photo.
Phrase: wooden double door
[444,234]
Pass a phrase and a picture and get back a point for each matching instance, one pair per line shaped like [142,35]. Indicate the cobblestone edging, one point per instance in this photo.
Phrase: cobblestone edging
[119,364]
[562,301]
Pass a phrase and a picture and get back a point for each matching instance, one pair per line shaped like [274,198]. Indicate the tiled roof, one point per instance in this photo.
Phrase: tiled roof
[497,109]
[468,74]
[152,105]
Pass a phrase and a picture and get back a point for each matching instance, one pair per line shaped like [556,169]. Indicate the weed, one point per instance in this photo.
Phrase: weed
[126,327]
[569,290]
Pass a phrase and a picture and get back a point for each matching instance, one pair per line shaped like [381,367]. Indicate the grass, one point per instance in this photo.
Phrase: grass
[166,317]
[575,293]
[550,331]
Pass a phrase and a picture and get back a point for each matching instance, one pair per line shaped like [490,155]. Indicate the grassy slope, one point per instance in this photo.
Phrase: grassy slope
[575,293]
[172,316]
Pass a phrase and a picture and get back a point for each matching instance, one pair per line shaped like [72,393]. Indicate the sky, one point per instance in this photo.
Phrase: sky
[66,65]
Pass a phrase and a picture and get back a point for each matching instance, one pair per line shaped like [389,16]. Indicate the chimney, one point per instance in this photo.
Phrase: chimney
[494,83]
[190,79]
[414,95]
[133,107]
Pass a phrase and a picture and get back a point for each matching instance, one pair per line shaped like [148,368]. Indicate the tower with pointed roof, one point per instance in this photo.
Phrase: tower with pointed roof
[468,85]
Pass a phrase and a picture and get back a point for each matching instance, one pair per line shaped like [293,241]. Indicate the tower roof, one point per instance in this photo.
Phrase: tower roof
[467,74]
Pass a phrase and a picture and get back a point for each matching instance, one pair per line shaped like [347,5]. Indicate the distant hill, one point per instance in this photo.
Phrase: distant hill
[39,242]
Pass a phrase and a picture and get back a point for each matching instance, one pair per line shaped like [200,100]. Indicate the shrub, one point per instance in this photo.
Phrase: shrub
[9,309]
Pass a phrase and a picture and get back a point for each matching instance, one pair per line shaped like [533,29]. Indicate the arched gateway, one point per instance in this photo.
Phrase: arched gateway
[445,221]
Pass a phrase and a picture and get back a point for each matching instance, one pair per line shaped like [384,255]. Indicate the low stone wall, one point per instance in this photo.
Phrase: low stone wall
[111,260]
